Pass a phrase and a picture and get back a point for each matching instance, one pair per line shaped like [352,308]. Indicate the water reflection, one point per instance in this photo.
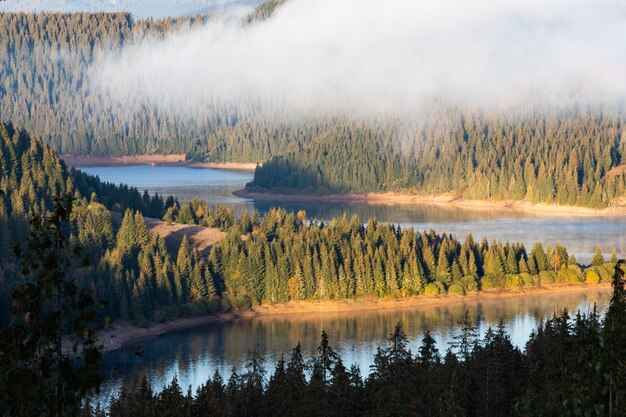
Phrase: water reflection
[194,355]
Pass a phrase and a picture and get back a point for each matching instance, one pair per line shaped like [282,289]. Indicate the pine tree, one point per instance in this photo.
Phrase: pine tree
[523,266]
[184,266]
[614,256]
[127,236]
[295,379]
[443,267]
[428,352]
[615,341]
[598,258]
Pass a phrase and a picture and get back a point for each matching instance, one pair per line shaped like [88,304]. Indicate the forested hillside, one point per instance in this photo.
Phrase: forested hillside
[277,258]
[540,155]
[551,157]
[31,174]
[44,61]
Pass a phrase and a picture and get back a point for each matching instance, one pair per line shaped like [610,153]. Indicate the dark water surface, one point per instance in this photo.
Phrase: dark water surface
[194,355]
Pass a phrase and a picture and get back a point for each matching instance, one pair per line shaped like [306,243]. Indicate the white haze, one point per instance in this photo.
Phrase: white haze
[384,57]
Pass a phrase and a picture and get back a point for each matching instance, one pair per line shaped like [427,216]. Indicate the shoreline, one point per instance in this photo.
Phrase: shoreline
[450,200]
[176,160]
[123,334]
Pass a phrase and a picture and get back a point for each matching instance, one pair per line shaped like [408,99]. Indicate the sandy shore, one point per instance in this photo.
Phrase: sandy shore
[451,200]
[161,160]
[121,335]
[235,166]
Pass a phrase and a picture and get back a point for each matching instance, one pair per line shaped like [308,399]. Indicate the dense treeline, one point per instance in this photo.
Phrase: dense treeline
[571,366]
[277,258]
[545,156]
[282,257]
[222,217]
[288,258]
[45,61]
[32,173]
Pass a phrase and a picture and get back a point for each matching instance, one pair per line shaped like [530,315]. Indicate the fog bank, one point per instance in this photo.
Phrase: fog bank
[383,57]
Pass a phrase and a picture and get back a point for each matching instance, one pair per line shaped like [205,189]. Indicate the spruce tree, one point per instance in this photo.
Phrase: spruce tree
[598,258]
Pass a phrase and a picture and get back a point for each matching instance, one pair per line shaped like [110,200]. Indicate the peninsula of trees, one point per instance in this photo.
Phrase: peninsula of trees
[271,259]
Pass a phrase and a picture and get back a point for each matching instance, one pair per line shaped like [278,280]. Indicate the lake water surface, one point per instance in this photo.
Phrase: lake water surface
[581,235]
[194,355]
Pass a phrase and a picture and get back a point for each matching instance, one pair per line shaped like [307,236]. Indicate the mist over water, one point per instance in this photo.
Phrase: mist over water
[383,57]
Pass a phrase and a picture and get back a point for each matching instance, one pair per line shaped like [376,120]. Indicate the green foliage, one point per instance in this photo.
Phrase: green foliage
[605,271]
[488,282]
[456,289]
[591,276]
[514,281]
[222,217]
[570,274]
[547,277]
[432,289]
[528,280]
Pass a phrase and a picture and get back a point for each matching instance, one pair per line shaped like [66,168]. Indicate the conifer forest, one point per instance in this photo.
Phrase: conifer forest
[502,116]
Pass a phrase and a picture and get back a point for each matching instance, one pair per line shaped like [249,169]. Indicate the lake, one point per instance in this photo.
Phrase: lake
[580,234]
[194,355]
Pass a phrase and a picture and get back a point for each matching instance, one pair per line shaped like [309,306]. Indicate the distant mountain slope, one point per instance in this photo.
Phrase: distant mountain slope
[138,8]
[540,153]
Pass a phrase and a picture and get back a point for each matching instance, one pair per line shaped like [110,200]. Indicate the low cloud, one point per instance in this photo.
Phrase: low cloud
[383,57]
